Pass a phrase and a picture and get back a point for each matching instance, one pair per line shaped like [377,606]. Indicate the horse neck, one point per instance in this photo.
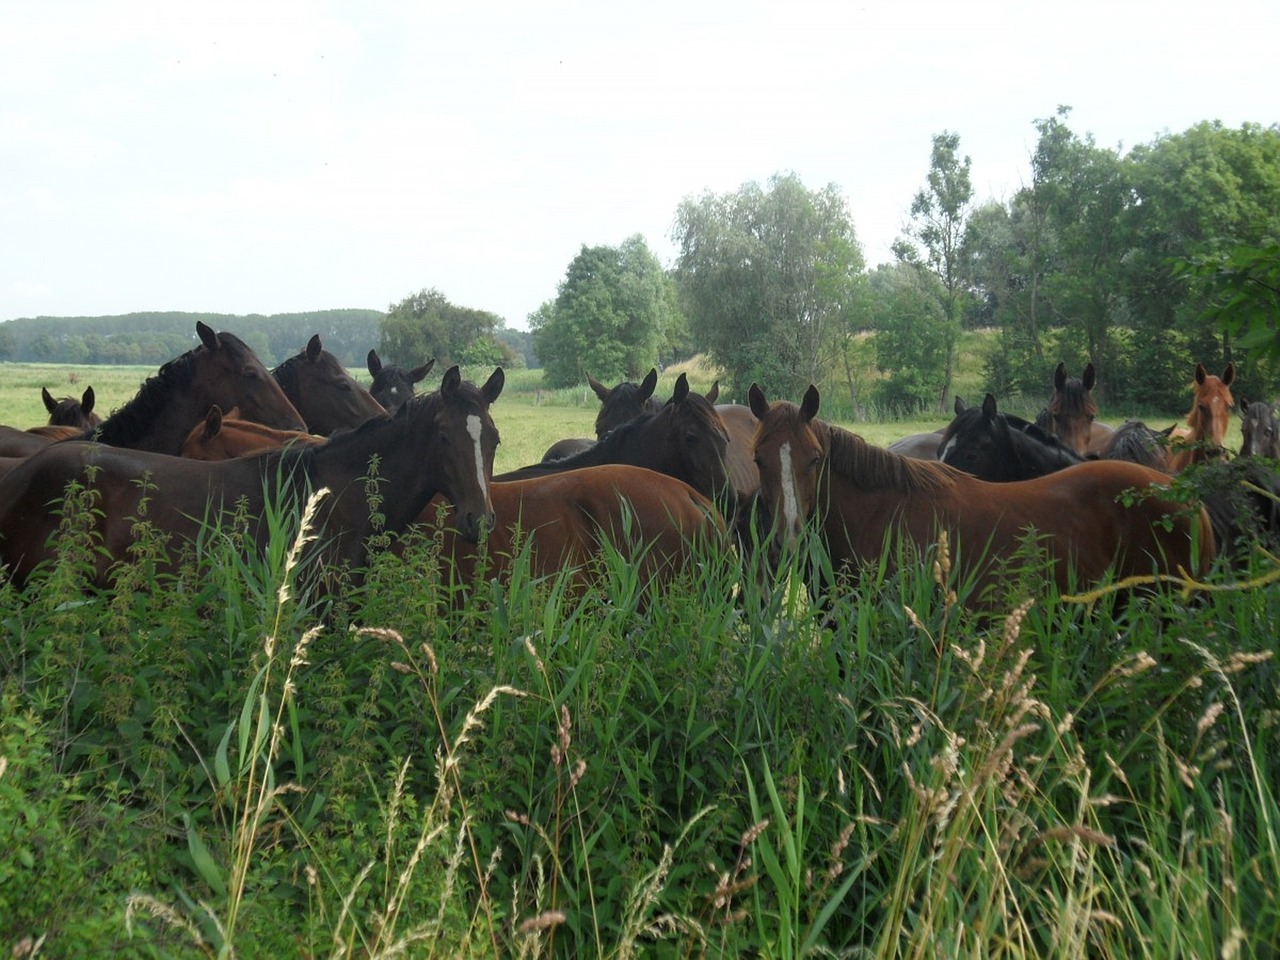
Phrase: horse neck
[157,425]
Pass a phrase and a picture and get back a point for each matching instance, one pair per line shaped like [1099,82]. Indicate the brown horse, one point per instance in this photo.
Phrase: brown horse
[1203,436]
[392,384]
[442,443]
[618,405]
[70,412]
[221,370]
[322,390]
[654,521]
[858,494]
[686,439]
[21,443]
[220,437]
[1071,411]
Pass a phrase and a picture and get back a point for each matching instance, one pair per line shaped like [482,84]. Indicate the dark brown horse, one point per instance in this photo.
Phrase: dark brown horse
[686,439]
[1204,434]
[858,494]
[618,405]
[392,384]
[1260,430]
[220,437]
[1071,411]
[323,392]
[1000,447]
[653,520]
[70,412]
[222,371]
[442,443]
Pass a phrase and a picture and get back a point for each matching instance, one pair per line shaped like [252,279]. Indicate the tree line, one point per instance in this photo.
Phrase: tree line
[1141,263]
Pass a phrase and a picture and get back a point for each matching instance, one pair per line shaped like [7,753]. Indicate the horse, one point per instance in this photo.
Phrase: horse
[653,520]
[925,446]
[1134,441]
[857,494]
[442,443]
[1260,430]
[393,384]
[686,439]
[1202,437]
[220,437]
[222,370]
[1071,411]
[70,412]
[618,405]
[324,393]
[21,443]
[1000,447]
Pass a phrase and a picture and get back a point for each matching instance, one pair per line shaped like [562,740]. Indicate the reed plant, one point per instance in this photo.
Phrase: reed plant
[229,759]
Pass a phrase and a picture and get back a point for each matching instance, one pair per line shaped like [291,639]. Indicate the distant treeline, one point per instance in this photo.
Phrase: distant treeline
[153,338]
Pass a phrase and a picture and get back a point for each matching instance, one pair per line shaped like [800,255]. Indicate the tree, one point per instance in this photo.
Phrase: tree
[614,313]
[914,337]
[767,279]
[426,325]
[934,238]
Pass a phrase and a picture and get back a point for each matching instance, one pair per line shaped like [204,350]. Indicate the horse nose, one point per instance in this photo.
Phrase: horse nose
[475,523]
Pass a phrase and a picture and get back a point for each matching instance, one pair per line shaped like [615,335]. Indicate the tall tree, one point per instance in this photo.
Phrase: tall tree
[914,336]
[426,325]
[767,278]
[614,314]
[934,238]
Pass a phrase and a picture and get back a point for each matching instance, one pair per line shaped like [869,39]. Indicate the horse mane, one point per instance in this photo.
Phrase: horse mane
[136,417]
[872,467]
[286,375]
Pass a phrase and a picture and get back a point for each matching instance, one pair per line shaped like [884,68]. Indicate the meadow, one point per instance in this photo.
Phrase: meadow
[226,762]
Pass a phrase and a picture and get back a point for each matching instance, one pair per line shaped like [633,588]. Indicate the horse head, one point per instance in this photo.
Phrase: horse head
[392,384]
[625,402]
[789,450]
[1072,408]
[323,392]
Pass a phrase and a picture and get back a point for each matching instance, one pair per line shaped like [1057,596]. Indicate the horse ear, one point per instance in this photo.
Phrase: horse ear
[598,388]
[809,405]
[212,422]
[989,407]
[452,377]
[755,399]
[374,363]
[681,390]
[959,406]
[1060,376]
[714,393]
[1242,409]
[1201,373]
[87,400]
[1229,375]
[493,386]
[314,347]
[50,404]
[1090,376]
[650,383]
[417,373]
[207,335]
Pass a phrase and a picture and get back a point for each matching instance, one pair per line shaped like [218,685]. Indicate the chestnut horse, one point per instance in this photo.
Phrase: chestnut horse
[221,370]
[1203,436]
[857,494]
[220,437]
[1259,430]
[324,393]
[686,439]
[1071,411]
[654,521]
[442,443]
[392,384]
[70,412]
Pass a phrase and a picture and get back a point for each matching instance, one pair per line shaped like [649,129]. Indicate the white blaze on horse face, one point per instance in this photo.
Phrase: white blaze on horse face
[790,507]
[942,454]
[474,428]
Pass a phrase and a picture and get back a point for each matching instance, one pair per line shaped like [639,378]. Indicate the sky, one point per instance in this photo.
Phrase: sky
[273,156]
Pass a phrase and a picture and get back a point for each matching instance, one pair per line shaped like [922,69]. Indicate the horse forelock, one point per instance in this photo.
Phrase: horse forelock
[1073,400]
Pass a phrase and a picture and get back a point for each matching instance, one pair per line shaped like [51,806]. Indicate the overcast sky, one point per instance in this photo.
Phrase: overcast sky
[268,157]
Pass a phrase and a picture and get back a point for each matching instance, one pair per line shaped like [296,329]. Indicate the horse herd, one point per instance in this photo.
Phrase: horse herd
[214,431]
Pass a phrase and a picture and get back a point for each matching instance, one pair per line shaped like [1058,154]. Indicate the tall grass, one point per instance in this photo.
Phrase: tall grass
[223,762]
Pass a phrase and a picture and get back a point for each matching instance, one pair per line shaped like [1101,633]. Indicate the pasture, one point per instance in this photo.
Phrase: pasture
[217,761]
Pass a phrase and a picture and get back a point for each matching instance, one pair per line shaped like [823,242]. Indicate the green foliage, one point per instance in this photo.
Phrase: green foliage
[911,345]
[769,280]
[425,325]
[614,315]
